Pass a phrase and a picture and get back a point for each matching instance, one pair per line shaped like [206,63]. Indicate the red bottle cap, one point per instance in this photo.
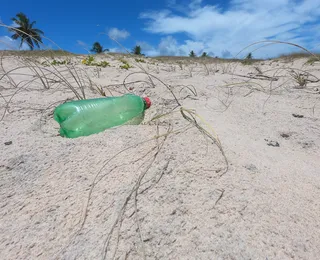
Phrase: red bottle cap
[148,102]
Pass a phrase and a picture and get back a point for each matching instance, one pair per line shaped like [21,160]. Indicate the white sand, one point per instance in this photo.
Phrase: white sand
[266,206]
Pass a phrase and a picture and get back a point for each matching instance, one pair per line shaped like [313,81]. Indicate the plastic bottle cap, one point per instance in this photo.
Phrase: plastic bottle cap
[148,102]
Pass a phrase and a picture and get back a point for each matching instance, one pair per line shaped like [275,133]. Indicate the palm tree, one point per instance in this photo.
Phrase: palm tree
[97,48]
[137,50]
[249,56]
[192,54]
[25,31]
[204,55]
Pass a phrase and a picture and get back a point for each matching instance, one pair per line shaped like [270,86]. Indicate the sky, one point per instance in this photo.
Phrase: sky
[171,27]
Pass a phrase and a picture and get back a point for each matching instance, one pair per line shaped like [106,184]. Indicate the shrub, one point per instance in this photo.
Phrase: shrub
[55,63]
[103,64]
[140,60]
[313,59]
[125,65]
[89,61]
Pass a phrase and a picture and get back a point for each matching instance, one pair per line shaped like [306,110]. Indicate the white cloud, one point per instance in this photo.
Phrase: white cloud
[144,45]
[213,29]
[6,43]
[226,54]
[169,46]
[116,34]
[117,50]
[147,49]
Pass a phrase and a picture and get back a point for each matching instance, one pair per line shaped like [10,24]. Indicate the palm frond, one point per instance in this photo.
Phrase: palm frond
[37,31]
[15,36]
[33,23]
[37,44]
[37,37]
[29,42]
[23,18]
[37,40]
[15,20]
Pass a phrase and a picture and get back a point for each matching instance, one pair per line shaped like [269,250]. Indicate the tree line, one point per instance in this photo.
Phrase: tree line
[25,31]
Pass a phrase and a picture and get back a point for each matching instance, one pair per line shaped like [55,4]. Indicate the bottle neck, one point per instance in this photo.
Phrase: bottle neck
[147,103]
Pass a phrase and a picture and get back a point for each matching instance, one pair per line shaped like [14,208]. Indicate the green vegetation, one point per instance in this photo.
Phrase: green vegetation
[25,31]
[295,55]
[204,55]
[123,61]
[125,65]
[56,62]
[248,60]
[192,54]
[313,59]
[37,53]
[89,61]
[249,56]
[140,60]
[102,64]
[137,50]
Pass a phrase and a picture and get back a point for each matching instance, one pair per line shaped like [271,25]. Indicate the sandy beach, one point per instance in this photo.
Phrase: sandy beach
[163,189]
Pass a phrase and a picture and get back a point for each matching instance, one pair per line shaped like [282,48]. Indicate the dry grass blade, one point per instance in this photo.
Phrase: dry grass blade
[258,77]
[191,88]
[191,116]
[48,76]
[134,191]
[299,78]
[272,42]
[277,42]
[18,89]
[207,70]
[137,189]
[152,76]
[118,221]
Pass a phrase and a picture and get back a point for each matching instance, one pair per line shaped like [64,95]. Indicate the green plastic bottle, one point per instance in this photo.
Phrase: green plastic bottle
[91,116]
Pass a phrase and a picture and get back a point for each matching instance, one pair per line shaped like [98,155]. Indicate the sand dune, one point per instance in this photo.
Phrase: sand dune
[78,198]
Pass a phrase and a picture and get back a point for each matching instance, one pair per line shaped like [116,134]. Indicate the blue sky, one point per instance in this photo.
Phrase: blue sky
[172,27]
